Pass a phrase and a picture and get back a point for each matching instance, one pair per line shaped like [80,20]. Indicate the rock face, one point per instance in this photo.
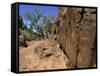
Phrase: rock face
[75,30]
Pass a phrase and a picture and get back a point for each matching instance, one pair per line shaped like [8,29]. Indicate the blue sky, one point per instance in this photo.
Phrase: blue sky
[52,10]
[46,9]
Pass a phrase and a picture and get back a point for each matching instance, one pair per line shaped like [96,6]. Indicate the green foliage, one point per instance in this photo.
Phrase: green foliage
[25,34]
[34,17]
[40,32]
[48,26]
[36,30]
[49,20]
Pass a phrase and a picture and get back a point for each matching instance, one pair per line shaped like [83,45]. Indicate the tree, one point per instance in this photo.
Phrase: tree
[41,29]
[34,18]
[48,22]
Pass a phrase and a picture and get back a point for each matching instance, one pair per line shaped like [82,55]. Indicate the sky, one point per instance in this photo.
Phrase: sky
[52,10]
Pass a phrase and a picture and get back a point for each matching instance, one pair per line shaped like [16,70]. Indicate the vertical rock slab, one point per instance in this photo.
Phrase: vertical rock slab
[87,38]
[68,34]
[75,30]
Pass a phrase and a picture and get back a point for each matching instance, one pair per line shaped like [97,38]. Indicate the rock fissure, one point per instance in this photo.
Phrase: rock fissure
[77,28]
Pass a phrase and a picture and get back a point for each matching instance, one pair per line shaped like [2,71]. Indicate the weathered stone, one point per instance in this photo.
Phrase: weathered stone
[34,58]
[75,30]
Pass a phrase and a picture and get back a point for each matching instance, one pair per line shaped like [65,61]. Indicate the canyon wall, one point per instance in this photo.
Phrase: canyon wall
[75,30]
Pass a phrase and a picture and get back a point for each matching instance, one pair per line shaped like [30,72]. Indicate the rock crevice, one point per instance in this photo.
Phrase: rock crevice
[75,30]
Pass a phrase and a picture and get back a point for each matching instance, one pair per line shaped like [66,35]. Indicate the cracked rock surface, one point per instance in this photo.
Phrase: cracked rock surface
[75,30]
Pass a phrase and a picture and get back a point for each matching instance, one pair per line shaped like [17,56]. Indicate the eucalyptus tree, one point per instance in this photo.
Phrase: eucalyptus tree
[34,17]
